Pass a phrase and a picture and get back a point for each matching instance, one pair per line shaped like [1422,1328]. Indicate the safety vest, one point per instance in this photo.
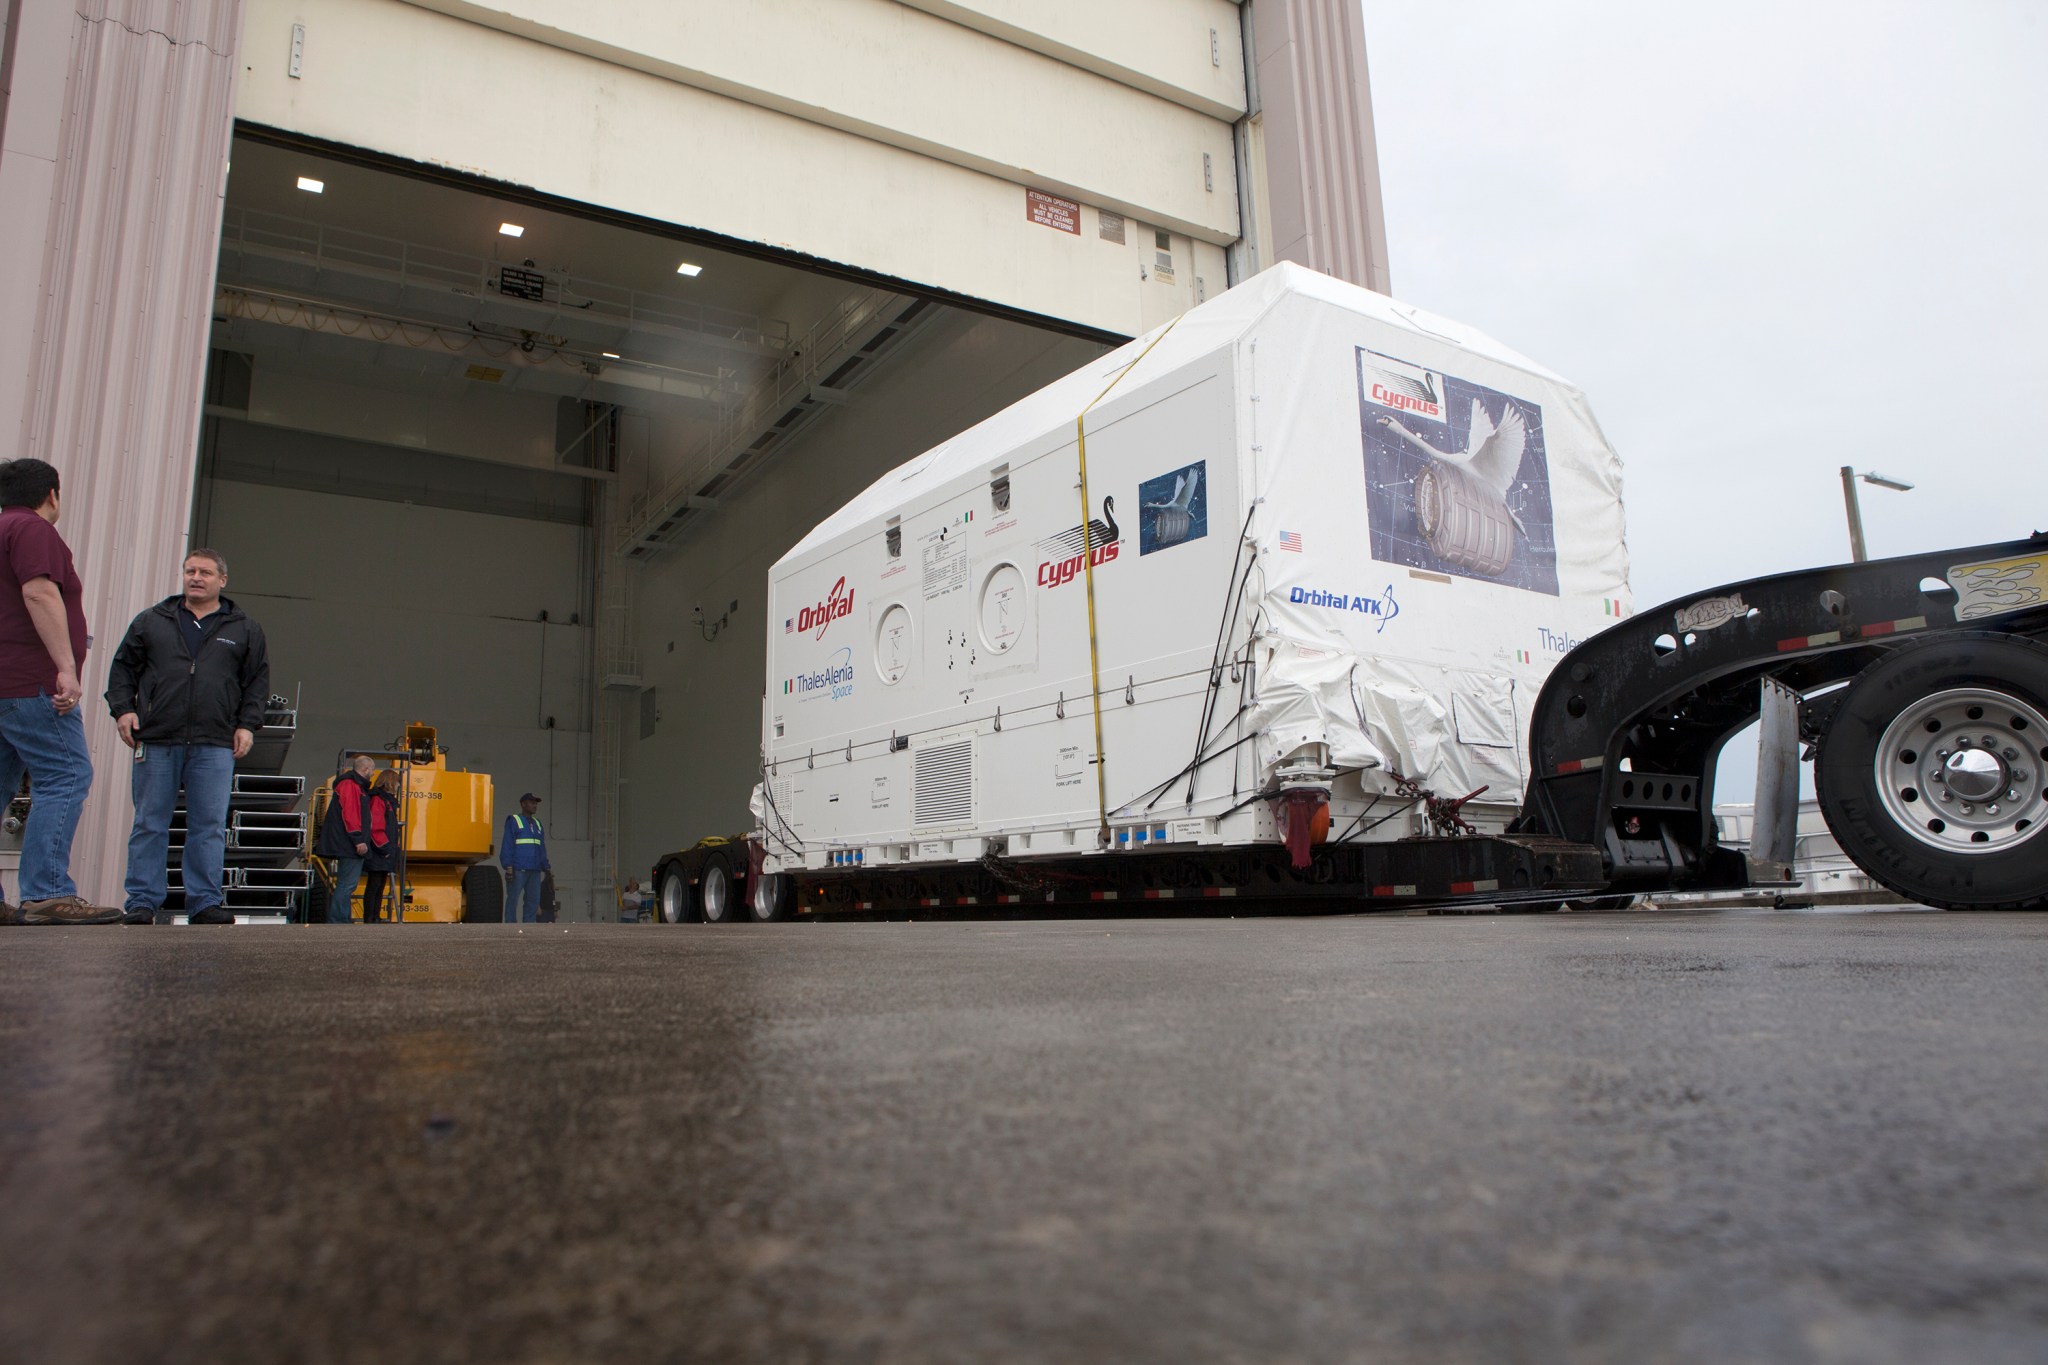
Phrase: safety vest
[526,850]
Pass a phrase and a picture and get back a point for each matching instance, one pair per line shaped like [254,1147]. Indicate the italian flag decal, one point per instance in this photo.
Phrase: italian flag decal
[1522,656]
[1612,606]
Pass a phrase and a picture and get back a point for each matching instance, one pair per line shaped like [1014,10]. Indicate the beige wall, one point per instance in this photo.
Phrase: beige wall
[871,134]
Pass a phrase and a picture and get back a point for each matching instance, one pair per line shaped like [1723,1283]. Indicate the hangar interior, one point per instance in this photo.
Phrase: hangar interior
[525,486]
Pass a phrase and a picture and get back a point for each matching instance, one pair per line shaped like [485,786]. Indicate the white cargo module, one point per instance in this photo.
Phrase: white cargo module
[1334,545]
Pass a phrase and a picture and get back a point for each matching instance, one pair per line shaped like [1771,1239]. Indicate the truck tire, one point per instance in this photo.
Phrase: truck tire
[716,901]
[672,903]
[772,898]
[483,895]
[1931,773]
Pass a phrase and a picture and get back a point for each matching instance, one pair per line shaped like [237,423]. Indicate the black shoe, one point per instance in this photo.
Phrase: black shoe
[9,914]
[213,914]
[138,914]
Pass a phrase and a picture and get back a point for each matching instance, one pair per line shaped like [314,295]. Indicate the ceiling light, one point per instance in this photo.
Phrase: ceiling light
[312,186]
[687,269]
[511,230]
[611,355]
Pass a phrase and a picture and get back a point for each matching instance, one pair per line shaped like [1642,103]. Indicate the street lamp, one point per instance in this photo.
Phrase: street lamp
[1849,477]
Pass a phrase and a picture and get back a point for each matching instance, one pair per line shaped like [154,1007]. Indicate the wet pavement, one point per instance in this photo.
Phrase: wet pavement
[1689,1137]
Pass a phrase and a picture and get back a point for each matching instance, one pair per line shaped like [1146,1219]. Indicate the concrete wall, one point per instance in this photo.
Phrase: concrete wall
[379,613]
[693,775]
[884,136]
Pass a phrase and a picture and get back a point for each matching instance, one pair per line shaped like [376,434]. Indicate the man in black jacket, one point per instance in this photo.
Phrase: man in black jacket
[187,690]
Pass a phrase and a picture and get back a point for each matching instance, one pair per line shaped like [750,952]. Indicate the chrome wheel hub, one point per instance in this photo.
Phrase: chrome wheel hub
[1962,770]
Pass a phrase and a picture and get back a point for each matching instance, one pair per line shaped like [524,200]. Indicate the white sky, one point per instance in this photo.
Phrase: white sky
[1767,240]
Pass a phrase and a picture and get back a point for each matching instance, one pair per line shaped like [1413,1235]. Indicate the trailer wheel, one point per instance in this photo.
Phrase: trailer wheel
[715,900]
[771,897]
[673,901]
[1931,774]
[483,895]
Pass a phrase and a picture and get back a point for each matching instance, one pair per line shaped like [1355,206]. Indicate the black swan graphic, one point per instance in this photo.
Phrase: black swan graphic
[1101,531]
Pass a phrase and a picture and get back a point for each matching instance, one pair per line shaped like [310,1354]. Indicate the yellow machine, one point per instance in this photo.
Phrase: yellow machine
[444,877]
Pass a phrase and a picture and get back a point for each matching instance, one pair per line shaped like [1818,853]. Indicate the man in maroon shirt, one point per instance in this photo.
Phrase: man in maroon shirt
[42,650]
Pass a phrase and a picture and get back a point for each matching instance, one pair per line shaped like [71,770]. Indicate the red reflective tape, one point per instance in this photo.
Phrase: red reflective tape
[1461,888]
[1881,628]
[1159,895]
[1219,891]
[965,900]
[929,900]
[1580,764]
[1102,895]
[1009,900]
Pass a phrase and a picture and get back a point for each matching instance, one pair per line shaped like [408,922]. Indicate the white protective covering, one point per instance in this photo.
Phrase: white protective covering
[1396,522]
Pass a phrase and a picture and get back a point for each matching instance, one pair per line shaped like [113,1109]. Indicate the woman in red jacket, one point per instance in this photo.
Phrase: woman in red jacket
[383,822]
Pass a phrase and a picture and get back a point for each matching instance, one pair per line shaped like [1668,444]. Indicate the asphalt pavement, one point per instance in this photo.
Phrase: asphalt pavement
[1718,1136]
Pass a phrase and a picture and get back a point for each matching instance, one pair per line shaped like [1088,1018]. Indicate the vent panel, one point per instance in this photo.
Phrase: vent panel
[945,785]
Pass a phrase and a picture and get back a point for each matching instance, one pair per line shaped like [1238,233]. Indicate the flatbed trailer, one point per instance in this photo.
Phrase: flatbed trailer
[1918,685]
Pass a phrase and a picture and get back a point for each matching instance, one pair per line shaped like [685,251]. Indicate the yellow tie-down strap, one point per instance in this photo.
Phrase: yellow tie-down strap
[1088,576]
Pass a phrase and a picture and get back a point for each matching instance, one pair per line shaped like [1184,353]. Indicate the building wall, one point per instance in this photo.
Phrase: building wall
[692,775]
[868,133]
[379,613]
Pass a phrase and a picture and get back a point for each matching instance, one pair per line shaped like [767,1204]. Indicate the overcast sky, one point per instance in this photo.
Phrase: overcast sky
[1767,240]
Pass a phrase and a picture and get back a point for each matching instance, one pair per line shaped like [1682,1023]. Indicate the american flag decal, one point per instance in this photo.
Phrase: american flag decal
[788,624]
[1291,541]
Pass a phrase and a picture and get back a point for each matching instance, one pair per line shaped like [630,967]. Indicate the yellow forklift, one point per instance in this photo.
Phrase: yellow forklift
[443,876]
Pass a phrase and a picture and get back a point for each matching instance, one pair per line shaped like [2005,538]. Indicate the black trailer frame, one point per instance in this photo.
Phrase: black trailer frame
[1625,739]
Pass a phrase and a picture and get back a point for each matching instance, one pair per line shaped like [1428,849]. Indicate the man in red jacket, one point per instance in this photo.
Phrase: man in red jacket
[344,840]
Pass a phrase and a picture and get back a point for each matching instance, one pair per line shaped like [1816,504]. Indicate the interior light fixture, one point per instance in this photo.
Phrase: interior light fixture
[312,186]
[511,230]
[611,355]
[687,269]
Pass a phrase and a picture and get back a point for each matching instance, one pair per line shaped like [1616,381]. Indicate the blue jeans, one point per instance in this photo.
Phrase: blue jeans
[204,771]
[347,873]
[522,894]
[52,750]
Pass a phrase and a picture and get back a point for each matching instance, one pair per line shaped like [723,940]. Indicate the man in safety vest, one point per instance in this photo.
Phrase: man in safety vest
[524,855]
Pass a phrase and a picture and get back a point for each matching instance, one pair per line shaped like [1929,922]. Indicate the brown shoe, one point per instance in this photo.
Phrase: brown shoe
[9,914]
[68,910]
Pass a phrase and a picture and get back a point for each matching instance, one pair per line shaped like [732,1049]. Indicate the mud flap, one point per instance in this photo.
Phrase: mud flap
[1777,786]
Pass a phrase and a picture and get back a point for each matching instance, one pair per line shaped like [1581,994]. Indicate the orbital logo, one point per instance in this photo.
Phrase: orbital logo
[1380,606]
[813,620]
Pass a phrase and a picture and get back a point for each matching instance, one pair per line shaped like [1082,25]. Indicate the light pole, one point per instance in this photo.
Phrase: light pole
[1849,477]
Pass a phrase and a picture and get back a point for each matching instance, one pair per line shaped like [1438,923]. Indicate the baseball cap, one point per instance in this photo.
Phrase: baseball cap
[529,797]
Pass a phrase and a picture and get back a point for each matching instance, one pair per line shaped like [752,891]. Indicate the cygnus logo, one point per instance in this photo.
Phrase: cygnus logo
[1399,386]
